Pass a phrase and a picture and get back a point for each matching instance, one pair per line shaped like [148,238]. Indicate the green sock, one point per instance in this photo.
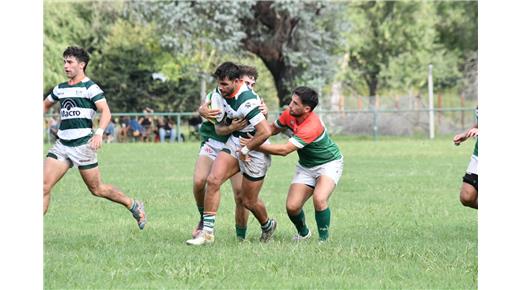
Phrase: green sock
[323,222]
[299,222]
[201,211]
[241,232]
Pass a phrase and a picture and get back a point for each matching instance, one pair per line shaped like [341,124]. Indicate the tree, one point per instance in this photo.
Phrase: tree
[127,67]
[390,45]
[293,38]
[458,31]
[63,27]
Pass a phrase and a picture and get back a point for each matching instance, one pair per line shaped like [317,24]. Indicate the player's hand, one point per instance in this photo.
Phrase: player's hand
[238,124]
[245,140]
[263,108]
[96,142]
[208,113]
[245,158]
[472,133]
[459,138]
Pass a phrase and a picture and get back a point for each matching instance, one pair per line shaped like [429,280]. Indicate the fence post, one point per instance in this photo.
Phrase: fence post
[179,128]
[430,99]
[374,122]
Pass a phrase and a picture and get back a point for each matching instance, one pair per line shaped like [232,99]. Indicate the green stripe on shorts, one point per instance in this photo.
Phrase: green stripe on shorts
[85,167]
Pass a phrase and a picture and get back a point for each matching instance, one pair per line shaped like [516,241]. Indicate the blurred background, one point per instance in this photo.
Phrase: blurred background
[369,60]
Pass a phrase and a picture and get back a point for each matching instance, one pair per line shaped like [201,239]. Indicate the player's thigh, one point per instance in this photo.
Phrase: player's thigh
[236,183]
[298,194]
[251,189]
[324,188]
[223,167]
[202,169]
[53,171]
[91,177]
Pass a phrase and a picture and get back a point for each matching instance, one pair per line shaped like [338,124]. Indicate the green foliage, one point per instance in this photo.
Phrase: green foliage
[396,223]
[294,39]
[127,66]
[63,27]
[387,47]
[391,44]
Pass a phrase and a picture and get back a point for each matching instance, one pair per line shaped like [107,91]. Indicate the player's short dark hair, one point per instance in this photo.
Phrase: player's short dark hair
[246,70]
[308,96]
[227,69]
[79,53]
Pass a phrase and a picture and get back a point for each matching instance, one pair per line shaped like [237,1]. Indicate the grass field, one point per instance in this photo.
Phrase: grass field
[396,223]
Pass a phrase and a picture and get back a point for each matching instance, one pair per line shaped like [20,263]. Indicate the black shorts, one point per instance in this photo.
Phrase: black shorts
[472,179]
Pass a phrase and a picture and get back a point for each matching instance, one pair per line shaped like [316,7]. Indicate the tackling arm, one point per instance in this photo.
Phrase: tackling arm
[278,149]
[263,131]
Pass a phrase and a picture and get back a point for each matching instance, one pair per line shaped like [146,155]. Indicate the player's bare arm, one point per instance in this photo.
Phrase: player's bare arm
[274,149]
[104,119]
[236,124]
[263,131]
[208,113]
[47,105]
[263,108]
[471,132]
[275,130]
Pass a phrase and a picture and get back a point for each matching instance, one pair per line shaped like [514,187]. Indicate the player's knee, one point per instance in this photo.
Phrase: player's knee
[199,182]
[96,190]
[292,209]
[46,188]
[467,198]
[249,203]
[320,204]
[214,181]
[239,200]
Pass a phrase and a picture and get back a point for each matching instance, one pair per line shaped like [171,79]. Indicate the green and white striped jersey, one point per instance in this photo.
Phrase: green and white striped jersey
[475,150]
[78,108]
[244,103]
[207,129]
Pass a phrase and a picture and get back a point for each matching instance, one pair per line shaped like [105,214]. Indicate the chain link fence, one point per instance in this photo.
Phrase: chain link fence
[374,123]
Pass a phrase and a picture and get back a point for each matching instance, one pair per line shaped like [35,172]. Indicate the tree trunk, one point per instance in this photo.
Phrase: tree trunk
[280,75]
[280,27]
[372,90]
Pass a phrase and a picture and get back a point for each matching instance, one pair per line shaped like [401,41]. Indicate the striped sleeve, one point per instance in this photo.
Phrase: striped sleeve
[95,93]
[52,97]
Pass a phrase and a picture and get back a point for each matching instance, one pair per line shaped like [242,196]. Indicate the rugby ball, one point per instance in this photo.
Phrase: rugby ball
[217,102]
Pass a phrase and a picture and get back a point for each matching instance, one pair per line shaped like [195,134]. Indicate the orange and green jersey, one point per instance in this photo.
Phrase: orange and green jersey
[314,144]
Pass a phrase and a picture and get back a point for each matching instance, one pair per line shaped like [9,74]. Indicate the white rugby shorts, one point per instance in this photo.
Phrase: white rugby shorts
[473,165]
[82,156]
[211,148]
[256,168]
[309,176]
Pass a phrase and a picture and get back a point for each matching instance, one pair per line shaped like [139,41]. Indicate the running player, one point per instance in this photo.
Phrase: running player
[469,188]
[77,143]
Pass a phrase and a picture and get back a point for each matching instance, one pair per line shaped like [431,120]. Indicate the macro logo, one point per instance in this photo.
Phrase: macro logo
[67,109]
